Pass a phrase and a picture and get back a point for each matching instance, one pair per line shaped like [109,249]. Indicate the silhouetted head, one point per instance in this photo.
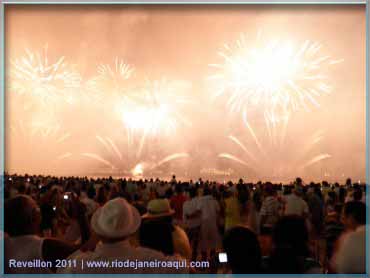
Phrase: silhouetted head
[354,215]
[243,250]
[22,216]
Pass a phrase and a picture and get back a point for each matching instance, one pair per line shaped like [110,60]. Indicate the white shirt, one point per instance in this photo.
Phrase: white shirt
[209,207]
[190,207]
[350,257]
[295,205]
[209,235]
[121,251]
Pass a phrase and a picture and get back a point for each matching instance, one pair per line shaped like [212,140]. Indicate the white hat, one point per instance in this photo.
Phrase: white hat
[116,219]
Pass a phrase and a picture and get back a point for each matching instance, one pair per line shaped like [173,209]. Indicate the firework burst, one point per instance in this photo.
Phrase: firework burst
[275,77]
[111,80]
[155,109]
[44,81]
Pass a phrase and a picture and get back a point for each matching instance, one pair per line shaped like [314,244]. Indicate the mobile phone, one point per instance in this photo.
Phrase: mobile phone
[222,257]
[66,196]
[54,208]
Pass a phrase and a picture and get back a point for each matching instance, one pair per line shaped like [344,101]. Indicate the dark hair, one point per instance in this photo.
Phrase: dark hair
[169,193]
[342,194]
[22,189]
[348,181]
[91,192]
[206,191]
[101,198]
[192,192]
[290,241]
[291,232]
[19,216]
[269,189]
[243,250]
[298,181]
[357,210]
[157,234]
[357,194]
[257,199]
[318,192]
[243,194]
[287,190]
[179,188]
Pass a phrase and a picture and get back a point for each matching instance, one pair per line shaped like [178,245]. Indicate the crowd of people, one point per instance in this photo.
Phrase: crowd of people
[234,227]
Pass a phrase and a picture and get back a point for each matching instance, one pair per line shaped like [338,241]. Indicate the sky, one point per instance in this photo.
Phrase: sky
[179,43]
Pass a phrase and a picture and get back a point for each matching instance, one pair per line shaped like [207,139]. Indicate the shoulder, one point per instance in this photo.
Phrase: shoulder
[179,232]
[181,242]
[356,238]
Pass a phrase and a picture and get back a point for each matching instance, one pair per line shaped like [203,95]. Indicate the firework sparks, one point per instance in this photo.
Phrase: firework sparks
[172,157]
[275,157]
[34,75]
[126,163]
[32,132]
[27,138]
[112,80]
[156,109]
[315,160]
[100,159]
[274,76]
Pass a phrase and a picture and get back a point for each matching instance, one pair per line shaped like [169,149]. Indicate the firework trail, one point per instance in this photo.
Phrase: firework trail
[276,158]
[37,147]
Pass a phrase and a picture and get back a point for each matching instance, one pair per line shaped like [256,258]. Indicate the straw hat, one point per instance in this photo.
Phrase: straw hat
[158,208]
